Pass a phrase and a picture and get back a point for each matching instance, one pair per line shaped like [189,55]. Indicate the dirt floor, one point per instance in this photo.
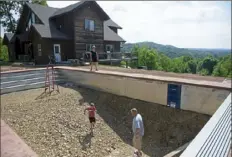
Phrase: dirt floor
[55,125]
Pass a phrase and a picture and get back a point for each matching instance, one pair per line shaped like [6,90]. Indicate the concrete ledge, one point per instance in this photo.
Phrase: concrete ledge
[201,83]
[12,145]
[209,84]
[22,70]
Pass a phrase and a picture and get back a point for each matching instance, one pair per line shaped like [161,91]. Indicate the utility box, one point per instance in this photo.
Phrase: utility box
[174,96]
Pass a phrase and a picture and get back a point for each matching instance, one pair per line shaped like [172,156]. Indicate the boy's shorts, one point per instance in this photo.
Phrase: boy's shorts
[92,119]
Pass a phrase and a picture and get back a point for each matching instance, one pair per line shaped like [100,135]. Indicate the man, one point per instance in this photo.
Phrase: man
[94,58]
[92,118]
[138,131]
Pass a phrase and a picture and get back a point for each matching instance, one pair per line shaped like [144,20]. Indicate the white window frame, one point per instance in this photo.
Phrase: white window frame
[89,25]
[39,50]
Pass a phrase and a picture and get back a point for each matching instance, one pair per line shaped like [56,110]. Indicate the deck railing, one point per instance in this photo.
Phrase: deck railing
[111,56]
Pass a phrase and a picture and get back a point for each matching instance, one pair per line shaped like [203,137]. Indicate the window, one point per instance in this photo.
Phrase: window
[89,25]
[39,50]
[121,44]
[29,23]
[56,48]
[89,47]
[109,48]
[32,18]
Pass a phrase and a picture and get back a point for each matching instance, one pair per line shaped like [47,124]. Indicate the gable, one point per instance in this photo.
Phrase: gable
[80,5]
[42,14]
[7,38]
[111,23]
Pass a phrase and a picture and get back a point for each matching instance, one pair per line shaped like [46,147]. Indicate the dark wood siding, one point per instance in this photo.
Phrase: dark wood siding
[11,52]
[82,36]
[47,48]
[36,39]
[116,45]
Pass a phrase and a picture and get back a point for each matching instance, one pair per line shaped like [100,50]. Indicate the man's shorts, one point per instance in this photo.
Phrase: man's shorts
[137,142]
[92,119]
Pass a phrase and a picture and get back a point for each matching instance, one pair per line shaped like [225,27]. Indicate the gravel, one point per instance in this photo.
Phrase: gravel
[55,126]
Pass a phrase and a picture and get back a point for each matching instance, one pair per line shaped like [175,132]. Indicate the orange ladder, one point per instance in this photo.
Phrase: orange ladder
[50,82]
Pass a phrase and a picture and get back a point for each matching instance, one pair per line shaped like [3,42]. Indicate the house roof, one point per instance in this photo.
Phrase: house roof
[22,37]
[7,37]
[42,12]
[111,23]
[76,6]
[110,35]
[50,31]
[67,9]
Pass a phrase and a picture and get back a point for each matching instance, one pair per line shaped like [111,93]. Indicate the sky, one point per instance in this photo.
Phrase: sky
[184,24]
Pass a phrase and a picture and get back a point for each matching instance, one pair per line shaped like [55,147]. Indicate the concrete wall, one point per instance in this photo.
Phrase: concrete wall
[201,99]
[194,98]
[154,91]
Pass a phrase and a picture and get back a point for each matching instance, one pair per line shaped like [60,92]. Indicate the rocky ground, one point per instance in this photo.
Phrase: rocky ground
[55,125]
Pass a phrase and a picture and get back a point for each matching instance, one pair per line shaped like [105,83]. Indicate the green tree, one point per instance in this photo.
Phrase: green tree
[9,10]
[3,51]
[135,53]
[41,2]
[223,68]
[184,64]
[165,63]
[192,66]
[122,63]
[148,57]
[208,63]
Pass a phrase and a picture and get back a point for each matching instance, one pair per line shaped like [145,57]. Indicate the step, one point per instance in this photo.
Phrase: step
[12,145]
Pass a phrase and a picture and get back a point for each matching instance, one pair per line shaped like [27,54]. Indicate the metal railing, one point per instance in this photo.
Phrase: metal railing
[215,137]
[110,56]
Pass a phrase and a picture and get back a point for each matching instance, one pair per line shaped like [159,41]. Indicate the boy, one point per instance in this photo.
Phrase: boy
[92,118]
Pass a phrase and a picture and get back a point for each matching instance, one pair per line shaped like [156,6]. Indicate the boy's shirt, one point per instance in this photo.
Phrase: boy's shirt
[91,110]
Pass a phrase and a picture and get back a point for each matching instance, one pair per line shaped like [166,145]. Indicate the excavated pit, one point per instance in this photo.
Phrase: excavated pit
[56,126]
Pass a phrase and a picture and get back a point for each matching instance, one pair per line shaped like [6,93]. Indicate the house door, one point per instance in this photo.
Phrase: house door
[174,96]
[57,52]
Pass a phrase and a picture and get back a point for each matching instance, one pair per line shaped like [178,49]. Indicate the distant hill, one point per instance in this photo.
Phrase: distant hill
[172,51]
